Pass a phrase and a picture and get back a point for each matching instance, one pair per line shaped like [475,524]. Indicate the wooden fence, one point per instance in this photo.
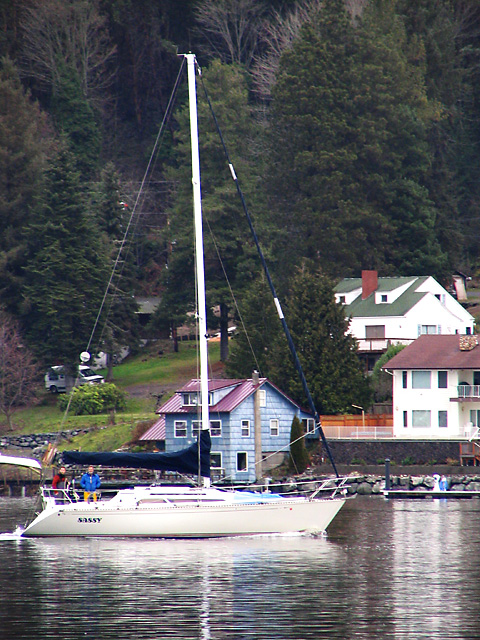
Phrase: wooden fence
[358,426]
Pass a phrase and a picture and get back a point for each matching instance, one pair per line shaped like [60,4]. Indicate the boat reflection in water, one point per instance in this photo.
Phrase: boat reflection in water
[387,569]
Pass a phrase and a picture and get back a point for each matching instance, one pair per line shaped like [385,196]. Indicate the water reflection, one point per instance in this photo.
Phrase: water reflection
[393,570]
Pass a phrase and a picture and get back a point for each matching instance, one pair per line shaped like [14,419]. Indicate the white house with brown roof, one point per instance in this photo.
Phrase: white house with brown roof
[250,421]
[436,388]
[385,311]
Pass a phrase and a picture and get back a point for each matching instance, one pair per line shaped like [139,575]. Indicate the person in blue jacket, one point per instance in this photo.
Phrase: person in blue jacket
[90,482]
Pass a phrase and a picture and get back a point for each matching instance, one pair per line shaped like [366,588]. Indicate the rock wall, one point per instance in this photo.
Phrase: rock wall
[398,451]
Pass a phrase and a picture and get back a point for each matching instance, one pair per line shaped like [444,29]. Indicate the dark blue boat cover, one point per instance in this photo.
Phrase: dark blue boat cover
[183,461]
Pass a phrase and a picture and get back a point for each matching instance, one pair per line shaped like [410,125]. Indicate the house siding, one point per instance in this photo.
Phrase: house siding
[231,442]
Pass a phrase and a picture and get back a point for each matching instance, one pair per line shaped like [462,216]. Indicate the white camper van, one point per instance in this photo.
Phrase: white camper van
[56,381]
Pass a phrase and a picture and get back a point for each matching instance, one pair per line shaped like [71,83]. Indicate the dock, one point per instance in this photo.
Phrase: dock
[429,494]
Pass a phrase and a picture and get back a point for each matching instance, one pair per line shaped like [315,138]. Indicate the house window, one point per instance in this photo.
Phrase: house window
[421,418]
[196,427]
[442,419]
[274,430]
[242,461]
[475,417]
[180,429]
[308,425]
[442,379]
[375,331]
[216,460]
[193,399]
[468,331]
[383,298]
[341,299]
[405,418]
[262,397]
[421,380]
[429,329]
[404,379]
[215,428]
[245,429]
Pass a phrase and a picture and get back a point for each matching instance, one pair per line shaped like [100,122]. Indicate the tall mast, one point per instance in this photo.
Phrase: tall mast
[199,260]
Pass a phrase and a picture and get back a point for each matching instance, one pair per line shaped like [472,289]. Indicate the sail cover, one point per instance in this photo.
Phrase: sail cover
[183,461]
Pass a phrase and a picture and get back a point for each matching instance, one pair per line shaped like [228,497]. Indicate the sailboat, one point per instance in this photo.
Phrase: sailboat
[171,511]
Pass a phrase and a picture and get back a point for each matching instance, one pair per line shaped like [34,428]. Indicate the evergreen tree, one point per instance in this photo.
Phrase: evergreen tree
[65,272]
[258,327]
[119,323]
[299,458]
[23,142]
[349,148]
[75,118]
[327,353]
[228,252]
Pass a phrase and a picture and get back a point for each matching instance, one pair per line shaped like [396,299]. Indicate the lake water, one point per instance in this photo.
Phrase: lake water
[392,570]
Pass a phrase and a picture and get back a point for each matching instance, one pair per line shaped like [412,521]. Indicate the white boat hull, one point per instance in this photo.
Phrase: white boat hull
[111,518]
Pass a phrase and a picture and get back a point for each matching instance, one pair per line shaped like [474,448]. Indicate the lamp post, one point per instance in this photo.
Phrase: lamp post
[363,416]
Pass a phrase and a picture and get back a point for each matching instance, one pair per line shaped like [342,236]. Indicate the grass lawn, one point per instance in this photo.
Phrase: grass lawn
[143,377]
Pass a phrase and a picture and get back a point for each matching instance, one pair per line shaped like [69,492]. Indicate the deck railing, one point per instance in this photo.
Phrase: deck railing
[468,390]
[352,427]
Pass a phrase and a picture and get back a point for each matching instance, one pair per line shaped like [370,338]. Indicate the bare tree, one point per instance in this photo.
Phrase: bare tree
[232,28]
[277,36]
[18,371]
[70,34]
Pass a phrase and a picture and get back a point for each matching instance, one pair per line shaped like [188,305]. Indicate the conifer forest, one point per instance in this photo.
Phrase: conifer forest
[353,127]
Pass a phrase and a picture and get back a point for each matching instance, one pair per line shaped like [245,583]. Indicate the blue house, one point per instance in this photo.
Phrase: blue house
[250,424]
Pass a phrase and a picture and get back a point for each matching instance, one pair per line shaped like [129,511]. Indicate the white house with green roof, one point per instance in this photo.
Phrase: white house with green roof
[386,311]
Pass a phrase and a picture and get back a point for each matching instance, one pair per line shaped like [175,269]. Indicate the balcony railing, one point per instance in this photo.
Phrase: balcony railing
[468,390]
[379,344]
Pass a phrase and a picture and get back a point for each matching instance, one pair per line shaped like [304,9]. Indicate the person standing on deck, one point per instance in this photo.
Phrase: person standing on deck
[90,482]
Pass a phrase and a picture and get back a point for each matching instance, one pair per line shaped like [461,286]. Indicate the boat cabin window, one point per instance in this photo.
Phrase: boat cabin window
[180,429]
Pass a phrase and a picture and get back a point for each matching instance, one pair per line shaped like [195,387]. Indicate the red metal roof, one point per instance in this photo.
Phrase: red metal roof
[437,352]
[156,431]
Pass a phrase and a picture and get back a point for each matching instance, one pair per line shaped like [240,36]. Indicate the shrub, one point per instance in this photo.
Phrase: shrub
[299,458]
[93,399]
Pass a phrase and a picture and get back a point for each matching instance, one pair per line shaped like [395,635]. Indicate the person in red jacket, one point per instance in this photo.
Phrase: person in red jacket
[60,481]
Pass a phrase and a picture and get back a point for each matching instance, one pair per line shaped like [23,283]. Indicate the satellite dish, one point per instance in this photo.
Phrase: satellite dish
[84,356]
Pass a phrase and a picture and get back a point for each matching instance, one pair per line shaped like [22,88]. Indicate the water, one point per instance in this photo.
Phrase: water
[393,570]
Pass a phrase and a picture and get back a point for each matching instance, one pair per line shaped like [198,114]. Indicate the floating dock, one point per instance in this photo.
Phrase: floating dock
[429,494]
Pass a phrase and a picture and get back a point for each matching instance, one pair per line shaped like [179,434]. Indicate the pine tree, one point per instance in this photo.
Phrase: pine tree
[65,273]
[349,149]
[23,142]
[228,250]
[299,458]
[327,353]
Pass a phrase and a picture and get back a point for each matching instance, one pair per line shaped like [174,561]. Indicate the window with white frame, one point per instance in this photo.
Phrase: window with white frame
[274,427]
[245,428]
[242,461]
[196,427]
[421,418]
[429,329]
[404,379]
[180,429]
[215,428]
[308,425]
[421,379]
[442,419]
[216,460]
[262,397]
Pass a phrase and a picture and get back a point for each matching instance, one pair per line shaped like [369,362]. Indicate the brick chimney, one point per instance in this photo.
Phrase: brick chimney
[369,283]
